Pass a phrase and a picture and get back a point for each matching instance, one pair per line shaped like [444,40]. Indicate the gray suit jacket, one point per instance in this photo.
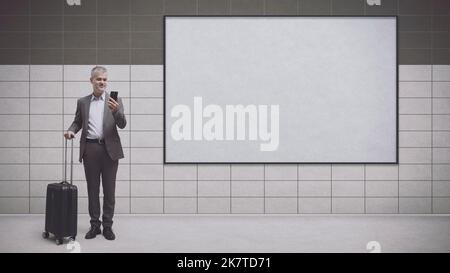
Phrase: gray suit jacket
[110,121]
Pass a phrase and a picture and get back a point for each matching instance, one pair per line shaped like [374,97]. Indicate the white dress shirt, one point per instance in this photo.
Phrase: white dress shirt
[95,124]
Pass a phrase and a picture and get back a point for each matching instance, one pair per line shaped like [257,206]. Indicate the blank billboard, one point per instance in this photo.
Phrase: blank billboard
[280,89]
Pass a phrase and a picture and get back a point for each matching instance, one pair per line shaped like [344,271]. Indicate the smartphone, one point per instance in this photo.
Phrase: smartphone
[113,95]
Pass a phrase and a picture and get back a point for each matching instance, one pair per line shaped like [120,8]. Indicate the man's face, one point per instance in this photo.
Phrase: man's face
[99,83]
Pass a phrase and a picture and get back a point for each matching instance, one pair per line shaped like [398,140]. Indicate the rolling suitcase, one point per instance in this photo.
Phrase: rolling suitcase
[61,206]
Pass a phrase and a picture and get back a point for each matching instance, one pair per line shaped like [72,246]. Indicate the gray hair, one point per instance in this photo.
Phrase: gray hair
[98,69]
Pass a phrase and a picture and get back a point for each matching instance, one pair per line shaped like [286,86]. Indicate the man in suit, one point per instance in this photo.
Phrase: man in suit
[98,116]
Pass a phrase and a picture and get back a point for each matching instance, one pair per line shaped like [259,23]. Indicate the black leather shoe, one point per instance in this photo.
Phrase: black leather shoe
[108,233]
[93,232]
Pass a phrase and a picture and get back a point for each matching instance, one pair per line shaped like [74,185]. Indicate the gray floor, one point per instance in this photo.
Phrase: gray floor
[241,233]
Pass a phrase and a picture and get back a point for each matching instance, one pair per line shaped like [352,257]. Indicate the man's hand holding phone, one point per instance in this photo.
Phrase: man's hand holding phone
[112,102]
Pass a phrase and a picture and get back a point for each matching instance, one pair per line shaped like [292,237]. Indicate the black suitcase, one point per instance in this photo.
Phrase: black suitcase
[61,206]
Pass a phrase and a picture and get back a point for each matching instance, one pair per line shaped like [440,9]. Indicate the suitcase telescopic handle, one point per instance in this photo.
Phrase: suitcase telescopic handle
[71,161]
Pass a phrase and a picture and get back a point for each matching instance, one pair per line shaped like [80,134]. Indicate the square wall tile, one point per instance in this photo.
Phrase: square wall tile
[441,89]
[13,205]
[14,139]
[146,106]
[281,7]
[415,155]
[37,205]
[415,172]
[415,122]
[46,89]
[441,72]
[314,172]
[147,172]
[441,205]
[314,205]
[247,7]
[382,205]
[415,139]
[415,205]
[46,155]
[388,188]
[247,172]
[314,188]
[347,188]
[214,172]
[281,188]
[46,73]
[146,155]
[14,172]
[214,205]
[280,172]
[348,205]
[47,106]
[180,172]
[441,155]
[147,188]
[147,89]
[14,122]
[14,89]
[414,106]
[14,73]
[46,172]
[415,188]
[381,172]
[281,205]
[147,205]
[14,189]
[214,188]
[183,188]
[122,205]
[77,72]
[351,172]
[180,205]
[441,106]
[47,122]
[146,122]
[14,106]
[415,73]
[147,139]
[14,155]
[117,72]
[441,122]
[247,205]
[441,139]
[247,188]
[39,188]
[147,73]
[77,89]
[415,89]
[441,188]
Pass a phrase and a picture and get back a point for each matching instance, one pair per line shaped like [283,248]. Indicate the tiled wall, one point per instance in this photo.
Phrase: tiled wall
[48,47]
[38,102]
[131,31]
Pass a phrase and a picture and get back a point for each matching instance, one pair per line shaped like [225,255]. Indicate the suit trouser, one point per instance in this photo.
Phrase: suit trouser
[97,162]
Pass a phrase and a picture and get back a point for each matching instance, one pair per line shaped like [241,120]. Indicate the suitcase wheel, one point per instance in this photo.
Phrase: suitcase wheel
[45,235]
[72,238]
[59,241]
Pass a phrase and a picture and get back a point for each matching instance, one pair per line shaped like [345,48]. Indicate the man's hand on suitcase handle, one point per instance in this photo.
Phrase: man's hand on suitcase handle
[69,135]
